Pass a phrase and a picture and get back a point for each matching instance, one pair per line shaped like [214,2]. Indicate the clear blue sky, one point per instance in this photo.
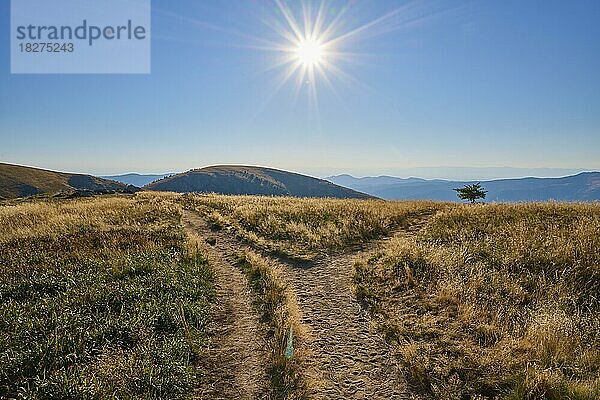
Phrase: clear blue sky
[511,83]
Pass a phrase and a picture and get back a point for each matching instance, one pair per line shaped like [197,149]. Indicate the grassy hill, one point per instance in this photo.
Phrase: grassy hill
[243,180]
[18,181]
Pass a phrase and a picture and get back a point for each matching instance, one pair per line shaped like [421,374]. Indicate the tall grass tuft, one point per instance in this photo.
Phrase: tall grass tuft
[276,311]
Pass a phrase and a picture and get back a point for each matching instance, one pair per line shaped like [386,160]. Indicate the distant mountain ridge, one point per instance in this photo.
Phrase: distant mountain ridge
[584,186]
[134,179]
[19,181]
[249,180]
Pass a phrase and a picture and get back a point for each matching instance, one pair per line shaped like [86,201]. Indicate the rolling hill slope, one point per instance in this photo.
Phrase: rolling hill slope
[581,187]
[18,181]
[252,181]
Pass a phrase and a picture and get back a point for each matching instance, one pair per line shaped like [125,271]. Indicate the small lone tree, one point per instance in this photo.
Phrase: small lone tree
[471,192]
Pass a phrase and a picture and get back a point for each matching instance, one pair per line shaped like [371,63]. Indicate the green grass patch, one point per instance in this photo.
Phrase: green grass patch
[99,298]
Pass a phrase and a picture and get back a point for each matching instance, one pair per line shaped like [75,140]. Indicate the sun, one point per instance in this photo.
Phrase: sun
[309,52]
[314,43]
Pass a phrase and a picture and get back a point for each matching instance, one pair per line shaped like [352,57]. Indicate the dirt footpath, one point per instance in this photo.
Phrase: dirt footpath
[236,361]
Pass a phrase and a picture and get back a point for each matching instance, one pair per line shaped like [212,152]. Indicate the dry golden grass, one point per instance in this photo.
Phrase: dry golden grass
[485,301]
[55,218]
[305,228]
[496,301]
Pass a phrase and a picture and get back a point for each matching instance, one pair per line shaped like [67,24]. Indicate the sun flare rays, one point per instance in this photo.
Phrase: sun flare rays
[317,45]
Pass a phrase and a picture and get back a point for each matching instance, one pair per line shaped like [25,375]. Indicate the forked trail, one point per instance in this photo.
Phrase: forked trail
[347,358]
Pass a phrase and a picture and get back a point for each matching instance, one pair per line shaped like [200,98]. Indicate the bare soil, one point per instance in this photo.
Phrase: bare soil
[235,361]
[346,357]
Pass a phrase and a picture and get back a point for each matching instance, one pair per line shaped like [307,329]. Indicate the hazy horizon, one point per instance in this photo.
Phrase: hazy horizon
[449,173]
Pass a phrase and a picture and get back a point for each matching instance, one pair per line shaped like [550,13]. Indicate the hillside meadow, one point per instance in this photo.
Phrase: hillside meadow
[305,228]
[18,181]
[498,301]
[488,301]
[99,298]
[103,298]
